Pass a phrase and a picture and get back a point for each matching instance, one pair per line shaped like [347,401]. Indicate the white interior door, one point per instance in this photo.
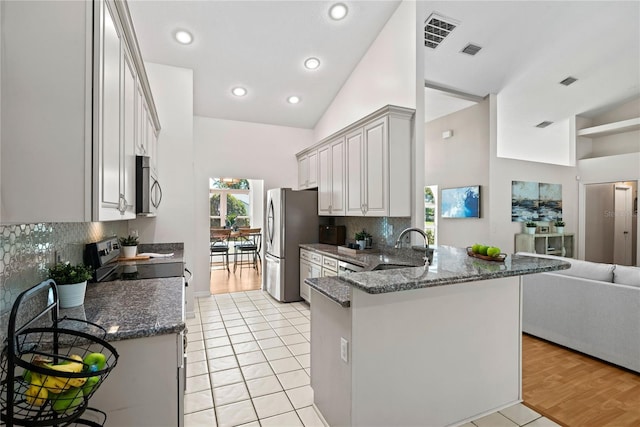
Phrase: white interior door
[623,214]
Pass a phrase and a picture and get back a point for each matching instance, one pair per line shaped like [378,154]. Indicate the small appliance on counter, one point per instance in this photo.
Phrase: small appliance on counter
[332,234]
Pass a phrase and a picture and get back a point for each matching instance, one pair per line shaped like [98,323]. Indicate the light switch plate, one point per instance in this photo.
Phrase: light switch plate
[344,350]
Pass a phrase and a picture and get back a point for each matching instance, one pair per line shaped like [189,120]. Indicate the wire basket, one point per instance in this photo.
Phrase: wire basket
[53,387]
[49,373]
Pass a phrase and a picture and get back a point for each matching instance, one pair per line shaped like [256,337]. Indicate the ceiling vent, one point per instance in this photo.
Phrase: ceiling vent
[436,28]
[471,49]
[543,125]
[568,81]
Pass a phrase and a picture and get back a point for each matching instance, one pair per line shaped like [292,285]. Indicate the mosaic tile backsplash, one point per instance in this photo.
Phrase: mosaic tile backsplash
[27,250]
[378,227]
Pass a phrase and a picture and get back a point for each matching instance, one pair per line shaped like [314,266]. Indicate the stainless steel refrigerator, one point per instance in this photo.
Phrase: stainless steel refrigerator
[292,219]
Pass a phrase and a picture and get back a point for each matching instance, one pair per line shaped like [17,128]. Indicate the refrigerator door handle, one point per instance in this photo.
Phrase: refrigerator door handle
[272,258]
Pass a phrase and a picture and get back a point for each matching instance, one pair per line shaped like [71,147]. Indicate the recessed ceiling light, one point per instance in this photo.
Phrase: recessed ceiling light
[338,11]
[183,37]
[239,91]
[312,63]
[293,99]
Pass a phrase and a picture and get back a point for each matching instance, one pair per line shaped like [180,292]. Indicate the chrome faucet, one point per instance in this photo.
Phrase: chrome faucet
[408,230]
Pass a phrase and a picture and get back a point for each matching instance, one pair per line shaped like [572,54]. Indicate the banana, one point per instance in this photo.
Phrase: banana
[36,394]
[60,384]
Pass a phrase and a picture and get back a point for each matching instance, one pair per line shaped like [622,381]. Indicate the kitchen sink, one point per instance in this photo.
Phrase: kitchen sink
[391,266]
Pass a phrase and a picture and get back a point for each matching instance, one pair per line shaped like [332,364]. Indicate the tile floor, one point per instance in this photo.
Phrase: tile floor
[249,365]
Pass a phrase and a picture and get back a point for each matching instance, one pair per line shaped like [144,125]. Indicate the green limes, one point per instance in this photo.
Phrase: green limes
[475,248]
[483,250]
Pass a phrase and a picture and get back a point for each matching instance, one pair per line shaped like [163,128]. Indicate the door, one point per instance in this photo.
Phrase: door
[376,169]
[623,214]
[355,204]
[274,223]
[324,180]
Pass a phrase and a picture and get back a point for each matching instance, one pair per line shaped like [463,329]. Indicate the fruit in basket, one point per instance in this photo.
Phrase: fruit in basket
[67,402]
[60,384]
[482,250]
[95,361]
[493,251]
[476,248]
[90,385]
[36,394]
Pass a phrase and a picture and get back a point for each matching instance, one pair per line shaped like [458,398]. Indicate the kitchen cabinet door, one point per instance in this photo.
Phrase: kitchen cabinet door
[110,200]
[376,169]
[354,178]
[128,143]
[331,181]
[141,123]
[308,170]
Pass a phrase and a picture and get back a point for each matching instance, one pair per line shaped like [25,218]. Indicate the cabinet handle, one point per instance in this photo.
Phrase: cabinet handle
[122,204]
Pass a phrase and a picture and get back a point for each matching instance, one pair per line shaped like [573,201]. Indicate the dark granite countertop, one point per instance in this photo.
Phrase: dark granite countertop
[133,308]
[370,258]
[450,266]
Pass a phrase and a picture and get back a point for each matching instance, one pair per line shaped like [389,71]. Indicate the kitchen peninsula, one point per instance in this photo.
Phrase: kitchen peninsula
[445,350]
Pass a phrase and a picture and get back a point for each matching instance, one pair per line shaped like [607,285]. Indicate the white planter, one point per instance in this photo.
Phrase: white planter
[129,251]
[71,295]
[530,230]
[361,243]
[560,230]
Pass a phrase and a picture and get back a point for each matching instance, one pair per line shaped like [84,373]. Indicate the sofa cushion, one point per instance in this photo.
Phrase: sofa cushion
[626,275]
[589,270]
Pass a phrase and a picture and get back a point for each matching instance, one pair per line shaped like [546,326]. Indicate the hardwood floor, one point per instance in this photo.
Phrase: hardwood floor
[577,390]
[223,282]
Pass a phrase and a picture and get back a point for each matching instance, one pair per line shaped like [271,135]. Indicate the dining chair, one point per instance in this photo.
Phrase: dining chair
[220,246]
[249,244]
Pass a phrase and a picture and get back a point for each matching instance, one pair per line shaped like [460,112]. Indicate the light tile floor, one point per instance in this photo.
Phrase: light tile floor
[249,365]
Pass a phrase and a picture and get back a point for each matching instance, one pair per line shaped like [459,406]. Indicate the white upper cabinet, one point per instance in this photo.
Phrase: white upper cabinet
[365,169]
[368,170]
[71,72]
[308,170]
[331,173]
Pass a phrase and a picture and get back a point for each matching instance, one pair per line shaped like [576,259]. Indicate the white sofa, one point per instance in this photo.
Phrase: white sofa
[591,307]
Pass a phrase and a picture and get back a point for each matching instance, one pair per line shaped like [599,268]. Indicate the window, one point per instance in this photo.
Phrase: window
[229,202]
[430,212]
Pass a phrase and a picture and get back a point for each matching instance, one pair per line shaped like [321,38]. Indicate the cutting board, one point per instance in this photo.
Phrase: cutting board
[135,258]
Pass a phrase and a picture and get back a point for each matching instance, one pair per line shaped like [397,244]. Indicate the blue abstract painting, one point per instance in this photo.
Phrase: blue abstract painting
[461,202]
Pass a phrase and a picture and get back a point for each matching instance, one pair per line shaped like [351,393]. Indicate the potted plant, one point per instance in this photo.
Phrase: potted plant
[361,238]
[559,224]
[530,226]
[71,283]
[129,246]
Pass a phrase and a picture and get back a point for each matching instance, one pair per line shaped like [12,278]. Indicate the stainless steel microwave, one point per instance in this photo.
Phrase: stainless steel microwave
[148,189]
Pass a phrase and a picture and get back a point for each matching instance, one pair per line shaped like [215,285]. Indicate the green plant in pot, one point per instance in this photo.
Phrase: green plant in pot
[361,238]
[129,246]
[559,224]
[530,227]
[71,281]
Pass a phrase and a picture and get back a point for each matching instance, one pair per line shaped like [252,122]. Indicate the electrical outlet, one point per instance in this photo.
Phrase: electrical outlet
[344,350]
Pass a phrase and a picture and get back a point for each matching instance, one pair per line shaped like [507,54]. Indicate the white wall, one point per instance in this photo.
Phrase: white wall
[240,150]
[469,158]
[460,161]
[172,89]
[386,74]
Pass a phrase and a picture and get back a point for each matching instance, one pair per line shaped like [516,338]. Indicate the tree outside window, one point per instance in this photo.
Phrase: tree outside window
[430,213]
[229,203]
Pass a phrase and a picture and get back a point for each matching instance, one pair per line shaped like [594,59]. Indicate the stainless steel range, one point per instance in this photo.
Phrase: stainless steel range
[103,257]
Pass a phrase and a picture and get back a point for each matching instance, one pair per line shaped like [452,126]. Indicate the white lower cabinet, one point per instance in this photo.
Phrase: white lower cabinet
[310,267]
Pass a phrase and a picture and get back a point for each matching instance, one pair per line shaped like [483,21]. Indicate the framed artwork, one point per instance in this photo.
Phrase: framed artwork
[460,202]
[535,201]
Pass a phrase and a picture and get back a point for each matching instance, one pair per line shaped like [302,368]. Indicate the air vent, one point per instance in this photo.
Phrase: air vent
[568,81]
[471,49]
[543,125]
[436,28]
